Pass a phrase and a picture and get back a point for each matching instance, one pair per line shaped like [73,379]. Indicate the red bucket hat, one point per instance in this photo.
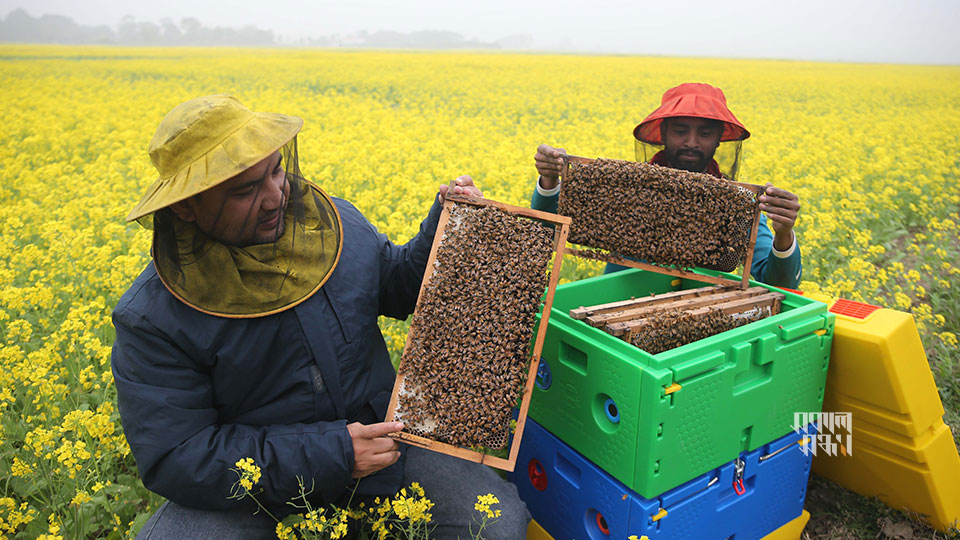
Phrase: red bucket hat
[691,99]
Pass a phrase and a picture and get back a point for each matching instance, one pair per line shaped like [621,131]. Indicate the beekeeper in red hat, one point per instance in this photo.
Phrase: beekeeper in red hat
[694,130]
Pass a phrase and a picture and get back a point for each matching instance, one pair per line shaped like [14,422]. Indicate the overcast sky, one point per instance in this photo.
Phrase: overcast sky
[900,31]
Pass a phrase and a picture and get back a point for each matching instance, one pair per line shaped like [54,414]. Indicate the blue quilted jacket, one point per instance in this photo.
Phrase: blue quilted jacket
[198,392]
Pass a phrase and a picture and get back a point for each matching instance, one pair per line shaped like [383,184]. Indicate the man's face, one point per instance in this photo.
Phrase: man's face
[690,142]
[244,210]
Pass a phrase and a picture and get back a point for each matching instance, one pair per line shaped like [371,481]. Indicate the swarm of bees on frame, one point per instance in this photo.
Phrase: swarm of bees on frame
[667,330]
[466,360]
[658,214]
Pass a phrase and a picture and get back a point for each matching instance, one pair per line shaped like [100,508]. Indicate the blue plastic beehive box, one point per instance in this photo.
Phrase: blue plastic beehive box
[655,421]
[571,498]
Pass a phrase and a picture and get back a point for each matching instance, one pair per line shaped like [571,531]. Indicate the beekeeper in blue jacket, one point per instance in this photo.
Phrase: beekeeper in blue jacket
[253,333]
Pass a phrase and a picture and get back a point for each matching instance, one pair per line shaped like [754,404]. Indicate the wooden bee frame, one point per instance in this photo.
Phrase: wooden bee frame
[610,258]
[620,322]
[561,230]
[624,318]
[765,300]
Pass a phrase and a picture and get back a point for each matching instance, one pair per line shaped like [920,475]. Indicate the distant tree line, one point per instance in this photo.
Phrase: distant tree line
[20,27]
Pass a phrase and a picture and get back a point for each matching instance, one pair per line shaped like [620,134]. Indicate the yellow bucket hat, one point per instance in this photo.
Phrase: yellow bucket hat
[206,141]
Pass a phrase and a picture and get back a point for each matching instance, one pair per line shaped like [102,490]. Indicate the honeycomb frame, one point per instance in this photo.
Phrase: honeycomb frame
[480,453]
[599,253]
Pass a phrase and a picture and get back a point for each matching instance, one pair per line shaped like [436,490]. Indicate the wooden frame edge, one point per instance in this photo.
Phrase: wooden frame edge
[539,215]
[605,257]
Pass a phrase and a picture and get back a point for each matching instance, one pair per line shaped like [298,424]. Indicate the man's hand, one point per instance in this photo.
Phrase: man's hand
[371,450]
[781,207]
[549,165]
[463,185]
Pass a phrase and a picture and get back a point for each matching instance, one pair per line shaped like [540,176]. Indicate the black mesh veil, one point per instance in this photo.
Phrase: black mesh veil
[728,155]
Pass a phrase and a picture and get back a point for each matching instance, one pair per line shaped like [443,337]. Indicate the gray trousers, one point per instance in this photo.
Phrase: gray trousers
[452,484]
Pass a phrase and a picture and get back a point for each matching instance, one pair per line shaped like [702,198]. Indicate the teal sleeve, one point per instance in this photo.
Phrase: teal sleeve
[544,204]
[770,269]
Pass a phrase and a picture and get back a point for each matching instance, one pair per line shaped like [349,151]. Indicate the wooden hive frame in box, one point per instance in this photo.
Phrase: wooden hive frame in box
[611,258]
[626,317]
[561,230]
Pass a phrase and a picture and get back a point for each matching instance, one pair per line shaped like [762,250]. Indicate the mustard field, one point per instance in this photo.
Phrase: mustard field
[873,151]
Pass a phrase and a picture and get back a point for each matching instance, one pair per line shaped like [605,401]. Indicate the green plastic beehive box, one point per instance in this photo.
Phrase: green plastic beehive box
[656,421]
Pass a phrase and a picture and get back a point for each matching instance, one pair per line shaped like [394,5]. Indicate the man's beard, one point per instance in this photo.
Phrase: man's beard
[253,238]
[700,165]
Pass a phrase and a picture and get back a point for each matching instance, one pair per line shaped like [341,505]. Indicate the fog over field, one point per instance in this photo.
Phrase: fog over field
[921,31]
